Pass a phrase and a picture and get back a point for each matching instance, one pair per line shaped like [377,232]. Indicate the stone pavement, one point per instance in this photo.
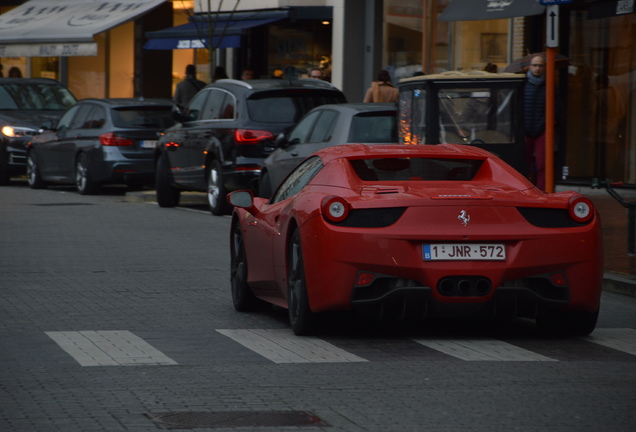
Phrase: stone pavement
[620,268]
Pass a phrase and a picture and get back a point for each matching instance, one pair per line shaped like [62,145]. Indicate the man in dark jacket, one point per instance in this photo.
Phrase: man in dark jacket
[187,88]
[534,119]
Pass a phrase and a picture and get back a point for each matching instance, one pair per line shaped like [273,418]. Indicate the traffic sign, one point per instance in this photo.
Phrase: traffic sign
[552,26]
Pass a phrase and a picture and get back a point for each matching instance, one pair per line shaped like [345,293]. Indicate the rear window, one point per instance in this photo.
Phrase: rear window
[416,169]
[35,96]
[144,117]
[288,106]
[374,128]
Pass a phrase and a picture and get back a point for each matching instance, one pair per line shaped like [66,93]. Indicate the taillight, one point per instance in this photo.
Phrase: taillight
[252,136]
[335,208]
[581,209]
[112,140]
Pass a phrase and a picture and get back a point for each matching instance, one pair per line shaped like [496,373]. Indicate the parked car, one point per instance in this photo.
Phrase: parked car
[100,141]
[25,104]
[413,232]
[225,133]
[324,126]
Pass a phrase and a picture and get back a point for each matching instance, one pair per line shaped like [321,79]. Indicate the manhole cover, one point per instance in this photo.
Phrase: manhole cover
[221,419]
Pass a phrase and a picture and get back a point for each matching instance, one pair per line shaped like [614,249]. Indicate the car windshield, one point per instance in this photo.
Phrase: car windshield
[416,169]
[288,106]
[374,128]
[143,117]
[35,96]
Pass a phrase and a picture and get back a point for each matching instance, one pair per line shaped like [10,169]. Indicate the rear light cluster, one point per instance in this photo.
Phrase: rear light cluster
[581,209]
[252,136]
[113,140]
[335,208]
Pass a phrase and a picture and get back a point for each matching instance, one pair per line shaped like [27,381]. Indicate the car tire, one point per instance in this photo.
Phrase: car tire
[83,181]
[5,177]
[167,194]
[265,186]
[302,319]
[217,192]
[242,296]
[567,323]
[34,178]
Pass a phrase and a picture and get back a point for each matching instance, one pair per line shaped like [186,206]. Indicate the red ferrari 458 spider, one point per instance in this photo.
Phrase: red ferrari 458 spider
[415,232]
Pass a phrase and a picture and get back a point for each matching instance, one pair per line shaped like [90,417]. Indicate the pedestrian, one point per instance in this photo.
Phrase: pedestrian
[382,90]
[534,121]
[1,68]
[315,73]
[219,73]
[15,72]
[187,88]
[247,74]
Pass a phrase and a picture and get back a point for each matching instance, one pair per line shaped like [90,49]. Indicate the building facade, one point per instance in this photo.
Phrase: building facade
[351,40]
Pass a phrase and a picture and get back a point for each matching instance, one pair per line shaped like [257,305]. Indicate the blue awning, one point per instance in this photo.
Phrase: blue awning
[196,34]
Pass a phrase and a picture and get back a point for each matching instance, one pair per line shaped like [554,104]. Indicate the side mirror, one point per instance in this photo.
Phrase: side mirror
[281,140]
[243,199]
[177,114]
[47,125]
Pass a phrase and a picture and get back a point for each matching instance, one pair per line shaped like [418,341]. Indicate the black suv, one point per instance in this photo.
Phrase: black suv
[225,133]
[25,105]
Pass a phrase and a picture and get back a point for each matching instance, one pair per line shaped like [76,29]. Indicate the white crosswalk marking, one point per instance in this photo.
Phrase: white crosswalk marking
[482,350]
[109,348]
[621,339]
[282,346]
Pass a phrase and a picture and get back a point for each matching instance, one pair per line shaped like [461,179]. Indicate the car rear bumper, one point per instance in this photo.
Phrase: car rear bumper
[544,268]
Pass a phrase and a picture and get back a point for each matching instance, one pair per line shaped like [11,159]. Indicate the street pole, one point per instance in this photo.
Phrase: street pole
[552,42]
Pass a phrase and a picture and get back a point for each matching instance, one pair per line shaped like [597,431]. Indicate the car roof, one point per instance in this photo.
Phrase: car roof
[49,81]
[272,84]
[128,102]
[356,108]
[362,151]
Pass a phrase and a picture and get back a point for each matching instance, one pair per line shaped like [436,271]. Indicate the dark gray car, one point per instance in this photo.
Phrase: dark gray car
[100,141]
[25,104]
[225,133]
[325,126]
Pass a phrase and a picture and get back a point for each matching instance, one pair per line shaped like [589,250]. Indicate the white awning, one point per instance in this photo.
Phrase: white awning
[64,28]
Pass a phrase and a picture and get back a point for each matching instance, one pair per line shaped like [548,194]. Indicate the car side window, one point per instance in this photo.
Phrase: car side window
[300,134]
[298,179]
[324,127]
[228,107]
[194,111]
[65,121]
[212,110]
[96,118]
[79,121]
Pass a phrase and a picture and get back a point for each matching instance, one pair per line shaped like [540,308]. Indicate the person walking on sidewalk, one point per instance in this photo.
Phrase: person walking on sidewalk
[382,90]
[187,88]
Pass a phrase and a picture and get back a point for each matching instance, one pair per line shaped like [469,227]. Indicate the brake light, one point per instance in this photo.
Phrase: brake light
[112,140]
[335,208]
[581,209]
[252,136]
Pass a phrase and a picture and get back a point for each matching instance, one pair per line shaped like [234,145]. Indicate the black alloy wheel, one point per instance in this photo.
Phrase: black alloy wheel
[34,178]
[83,181]
[217,192]
[242,296]
[167,194]
[301,318]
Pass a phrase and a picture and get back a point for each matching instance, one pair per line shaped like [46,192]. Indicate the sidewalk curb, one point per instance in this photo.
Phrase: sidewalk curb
[150,197]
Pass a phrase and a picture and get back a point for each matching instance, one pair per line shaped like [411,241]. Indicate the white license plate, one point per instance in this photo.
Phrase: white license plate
[465,252]
[148,143]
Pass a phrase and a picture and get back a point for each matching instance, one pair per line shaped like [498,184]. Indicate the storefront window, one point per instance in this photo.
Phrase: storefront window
[601,98]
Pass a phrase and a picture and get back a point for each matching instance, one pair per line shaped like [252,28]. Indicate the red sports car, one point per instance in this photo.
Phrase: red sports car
[414,232]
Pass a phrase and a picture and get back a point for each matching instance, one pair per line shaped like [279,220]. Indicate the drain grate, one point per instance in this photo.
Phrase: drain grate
[224,419]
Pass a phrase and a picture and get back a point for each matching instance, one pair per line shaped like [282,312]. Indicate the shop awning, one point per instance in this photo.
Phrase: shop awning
[195,34]
[473,10]
[63,28]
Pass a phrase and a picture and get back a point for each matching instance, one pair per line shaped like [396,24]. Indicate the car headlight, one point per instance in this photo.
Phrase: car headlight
[18,131]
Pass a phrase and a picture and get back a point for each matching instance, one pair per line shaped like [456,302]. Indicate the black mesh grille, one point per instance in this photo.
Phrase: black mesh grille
[549,218]
[372,218]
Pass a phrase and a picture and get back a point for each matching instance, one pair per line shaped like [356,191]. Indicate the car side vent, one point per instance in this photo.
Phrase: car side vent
[381,190]
[372,218]
[548,218]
